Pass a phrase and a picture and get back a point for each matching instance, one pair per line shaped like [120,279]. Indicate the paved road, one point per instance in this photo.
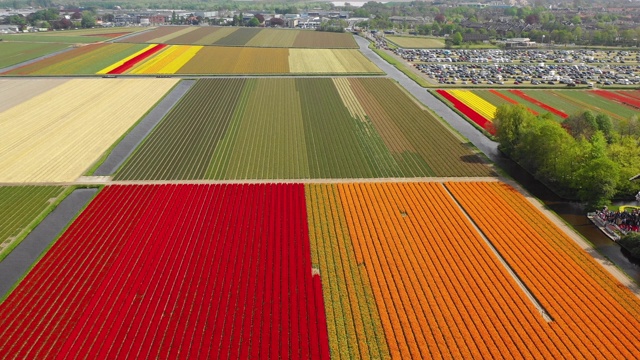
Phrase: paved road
[20,260]
[488,147]
[144,127]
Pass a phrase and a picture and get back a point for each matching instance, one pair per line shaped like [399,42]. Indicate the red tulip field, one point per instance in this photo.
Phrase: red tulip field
[175,271]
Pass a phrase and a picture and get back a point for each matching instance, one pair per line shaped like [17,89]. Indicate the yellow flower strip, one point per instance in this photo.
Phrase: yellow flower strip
[475,102]
[168,61]
[155,63]
[179,61]
[119,63]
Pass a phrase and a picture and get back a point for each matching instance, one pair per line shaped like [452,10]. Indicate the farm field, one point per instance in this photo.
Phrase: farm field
[167,277]
[82,36]
[324,128]
[16,91]
[252,37]
[370,270]
[15,53]
[479,105]
[85,60]
[582,309]
[56,135]
[441,292]
[123,58]
[411,42]
[20,206]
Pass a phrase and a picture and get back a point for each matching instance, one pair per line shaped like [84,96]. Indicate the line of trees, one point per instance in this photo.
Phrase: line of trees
[587,157]
[631,242]
[51,19]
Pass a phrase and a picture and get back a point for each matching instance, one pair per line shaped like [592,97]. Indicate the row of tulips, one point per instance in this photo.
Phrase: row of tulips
[353,322]
[528,98]
[510,100]
[619,97]
[467,111]
[438,288]
[175,271]
[480,105]
[563,244]
[580,308]
[137,59]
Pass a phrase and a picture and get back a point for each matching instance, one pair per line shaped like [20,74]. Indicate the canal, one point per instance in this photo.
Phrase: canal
[575,215]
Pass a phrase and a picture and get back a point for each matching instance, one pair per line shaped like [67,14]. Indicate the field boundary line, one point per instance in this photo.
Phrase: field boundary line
[92,181]
[543,312]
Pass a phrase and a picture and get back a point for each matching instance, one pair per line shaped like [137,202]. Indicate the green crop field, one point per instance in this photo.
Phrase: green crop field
[598,104]
[551,98]
[298,129]
[81,36]
[84,60]
[45,38]
[241,36]
[20,206]
[17,52]
[531,106]
[411,42]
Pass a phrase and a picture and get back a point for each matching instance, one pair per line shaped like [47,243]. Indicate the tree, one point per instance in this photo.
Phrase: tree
[581,125]
[440,18]
[16,20]
[629,127]
[509,122]
[606,126]
[260,18]
[88,20]
[596,180]
[276,21]
[253,22]
[631,242]
[532,19]
[457,38]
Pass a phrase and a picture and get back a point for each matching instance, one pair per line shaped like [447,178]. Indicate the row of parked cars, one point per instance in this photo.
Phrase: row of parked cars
[571,75]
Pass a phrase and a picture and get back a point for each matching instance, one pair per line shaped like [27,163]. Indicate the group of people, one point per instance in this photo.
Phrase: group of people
[625,220]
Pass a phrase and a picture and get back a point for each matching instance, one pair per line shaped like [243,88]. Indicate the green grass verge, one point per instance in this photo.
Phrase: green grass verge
[5,296]
[32,225]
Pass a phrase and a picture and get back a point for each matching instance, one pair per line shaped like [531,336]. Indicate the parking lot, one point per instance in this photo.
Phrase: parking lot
[587,68]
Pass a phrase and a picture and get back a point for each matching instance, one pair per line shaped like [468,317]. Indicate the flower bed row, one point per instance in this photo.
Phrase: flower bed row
[175,271]
[522,95]
[619,97]
[473,115]
[136,59]
[510,100]
[581,310]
